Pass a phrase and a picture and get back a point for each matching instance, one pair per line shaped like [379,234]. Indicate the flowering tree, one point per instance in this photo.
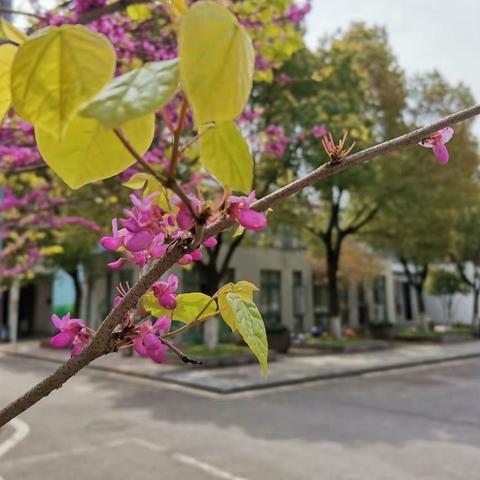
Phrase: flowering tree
[140,34]
[91,125]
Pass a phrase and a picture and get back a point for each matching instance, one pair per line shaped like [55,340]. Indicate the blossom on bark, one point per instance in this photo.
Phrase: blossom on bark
[239,209]
[166,292]
[147,343]
[437,143]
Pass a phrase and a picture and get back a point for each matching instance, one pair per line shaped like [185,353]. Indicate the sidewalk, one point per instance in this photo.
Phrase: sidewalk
[287,370]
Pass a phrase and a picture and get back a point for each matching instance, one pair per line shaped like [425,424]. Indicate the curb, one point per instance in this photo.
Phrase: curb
[272,384]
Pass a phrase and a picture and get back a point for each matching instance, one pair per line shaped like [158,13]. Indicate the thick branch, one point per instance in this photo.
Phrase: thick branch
[118,6]
[355,227]
[99,345]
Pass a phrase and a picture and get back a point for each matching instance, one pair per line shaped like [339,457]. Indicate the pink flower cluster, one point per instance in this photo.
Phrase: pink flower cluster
[147,343]
[277,142]
[239,208]
[73,333]
[147,230]
[296,14]
[144,337]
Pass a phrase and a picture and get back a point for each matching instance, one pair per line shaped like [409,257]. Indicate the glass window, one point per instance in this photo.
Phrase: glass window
[270,296]
[298,294]
[379,290]
[320,304]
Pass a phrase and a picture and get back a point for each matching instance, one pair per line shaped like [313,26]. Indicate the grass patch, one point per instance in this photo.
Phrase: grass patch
[221,350]
[414,333]
[332,342]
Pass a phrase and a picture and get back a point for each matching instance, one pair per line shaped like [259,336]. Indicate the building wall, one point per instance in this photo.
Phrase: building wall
[249,262]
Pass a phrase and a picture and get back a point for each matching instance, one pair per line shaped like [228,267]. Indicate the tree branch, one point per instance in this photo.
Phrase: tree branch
[361,223]
[100,343]
[114,7]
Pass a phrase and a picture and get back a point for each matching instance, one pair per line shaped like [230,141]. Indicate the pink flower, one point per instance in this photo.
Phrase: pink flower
[81,340]
[296,14]
[210,242]
[147,343]
[239,209]
[165,292]
[184,216]
[319,131]
[437,143]
[114,242]
[69,329]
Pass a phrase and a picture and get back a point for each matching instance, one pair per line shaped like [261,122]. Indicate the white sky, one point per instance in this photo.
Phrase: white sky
[424,34]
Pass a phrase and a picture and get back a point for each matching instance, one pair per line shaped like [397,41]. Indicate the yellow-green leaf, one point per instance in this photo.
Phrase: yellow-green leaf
[136,181]
[179,6]
[216,62]
[153,185]
[250,325]
[189,306]
[144,90]
[139,12]
[242,288]
[7,54]
[7,30]
[225,154]
[57,70]
[89,151]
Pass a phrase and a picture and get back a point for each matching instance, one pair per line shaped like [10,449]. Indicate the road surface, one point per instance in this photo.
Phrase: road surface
[421,423]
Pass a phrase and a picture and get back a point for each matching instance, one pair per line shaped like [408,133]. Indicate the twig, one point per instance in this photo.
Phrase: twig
[117,6]
[195,138]
[184,358]
[21,12]
[172,171]
[101,340]
[166,182]
[187,326]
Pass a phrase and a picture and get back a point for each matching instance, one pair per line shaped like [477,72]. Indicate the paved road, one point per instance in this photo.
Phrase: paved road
[411,424]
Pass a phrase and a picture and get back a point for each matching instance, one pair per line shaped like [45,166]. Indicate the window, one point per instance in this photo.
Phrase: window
[270,296]
[320,305]
[379,298]
[379,291]
[298,295]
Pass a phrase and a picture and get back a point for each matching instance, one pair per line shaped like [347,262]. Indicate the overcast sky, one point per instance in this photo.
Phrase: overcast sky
[424,34]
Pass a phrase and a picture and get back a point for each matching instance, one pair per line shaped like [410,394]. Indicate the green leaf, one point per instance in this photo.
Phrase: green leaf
[250,325]
[7,54]
[189,306]
[57,70]
[242,288]
[144,90]
[90,151]
[225,154]
[216,62]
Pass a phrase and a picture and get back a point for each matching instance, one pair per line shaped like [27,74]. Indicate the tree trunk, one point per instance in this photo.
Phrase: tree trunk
[476,293]
[333,295]
[77,285]
[420,300]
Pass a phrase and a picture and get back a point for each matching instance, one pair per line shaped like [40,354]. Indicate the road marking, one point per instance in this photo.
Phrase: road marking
[21,431]
[179,457]
[206,467]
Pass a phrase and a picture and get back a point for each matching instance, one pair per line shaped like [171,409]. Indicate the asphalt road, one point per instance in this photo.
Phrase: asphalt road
[411,424]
